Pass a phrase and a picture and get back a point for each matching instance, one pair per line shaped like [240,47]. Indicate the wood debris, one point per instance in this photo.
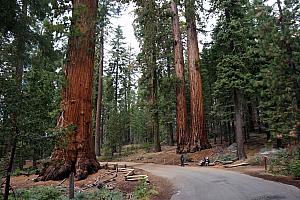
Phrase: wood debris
[236,165]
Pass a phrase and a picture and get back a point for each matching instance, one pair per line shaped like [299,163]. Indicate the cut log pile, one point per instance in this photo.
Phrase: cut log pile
[129,172]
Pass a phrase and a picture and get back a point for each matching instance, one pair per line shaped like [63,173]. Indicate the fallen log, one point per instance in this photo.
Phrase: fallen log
[227,162]
[99,184]
[136,178]
[130,172]
[236,165]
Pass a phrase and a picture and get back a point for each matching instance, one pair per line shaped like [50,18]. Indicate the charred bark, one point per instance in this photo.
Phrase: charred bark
[76,152]
[182,133]
[198,133]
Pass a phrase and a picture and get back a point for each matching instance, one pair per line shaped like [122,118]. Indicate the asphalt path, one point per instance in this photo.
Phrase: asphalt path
[203,183]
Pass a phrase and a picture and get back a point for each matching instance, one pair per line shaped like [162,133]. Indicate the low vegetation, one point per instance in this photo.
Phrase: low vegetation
[286,162]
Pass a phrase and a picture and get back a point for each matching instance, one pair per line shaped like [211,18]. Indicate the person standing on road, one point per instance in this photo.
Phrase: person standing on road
[182,160]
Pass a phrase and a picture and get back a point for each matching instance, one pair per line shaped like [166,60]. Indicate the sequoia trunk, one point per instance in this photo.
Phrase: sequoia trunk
[181,111]
[76,152]
[99,96]
[198,133]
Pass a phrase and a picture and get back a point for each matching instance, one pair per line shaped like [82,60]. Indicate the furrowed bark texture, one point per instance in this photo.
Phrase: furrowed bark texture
[182,133]
[99,96]
[77,153]
[198,133]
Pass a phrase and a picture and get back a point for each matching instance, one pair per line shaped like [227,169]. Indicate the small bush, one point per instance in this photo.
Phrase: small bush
[143,191]
[294,167]
[102,194]
[39,193]
[255,161]
[18,172]
[227,157]
[147,147]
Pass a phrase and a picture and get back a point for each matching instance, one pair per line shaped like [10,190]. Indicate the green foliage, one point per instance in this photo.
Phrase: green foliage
[39,193]
[28,171]
[47,193]
[143,191]
[279,163]
[286,162]
[294,167]
[30,80]
[102,194]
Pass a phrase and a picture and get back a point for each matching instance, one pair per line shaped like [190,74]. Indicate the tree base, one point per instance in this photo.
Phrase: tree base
[59,171]
[206,145]
[60,168]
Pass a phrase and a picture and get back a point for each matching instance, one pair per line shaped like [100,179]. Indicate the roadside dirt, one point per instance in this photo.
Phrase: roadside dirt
[161,185]
[259,171]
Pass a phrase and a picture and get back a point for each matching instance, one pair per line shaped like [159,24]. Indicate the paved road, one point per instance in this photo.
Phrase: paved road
[200,183]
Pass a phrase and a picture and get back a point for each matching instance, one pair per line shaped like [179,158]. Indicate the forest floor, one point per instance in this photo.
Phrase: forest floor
[255,145]
[161,185]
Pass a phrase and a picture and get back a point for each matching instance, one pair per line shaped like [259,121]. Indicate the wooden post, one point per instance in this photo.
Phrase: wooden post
[71,186]
[265,163]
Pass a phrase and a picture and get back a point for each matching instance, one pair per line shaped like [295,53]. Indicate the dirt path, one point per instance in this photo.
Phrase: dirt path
[194,183]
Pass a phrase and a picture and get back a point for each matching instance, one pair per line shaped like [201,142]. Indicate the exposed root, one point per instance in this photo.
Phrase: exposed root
[55,171]
[85,168]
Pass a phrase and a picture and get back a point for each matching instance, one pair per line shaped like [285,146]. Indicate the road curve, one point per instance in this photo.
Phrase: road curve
[200,183]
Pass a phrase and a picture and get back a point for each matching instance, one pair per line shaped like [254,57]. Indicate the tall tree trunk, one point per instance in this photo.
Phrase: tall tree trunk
[197,102]
[20,59]
[154,109]
[9,168]
[182,133]
[78,154]
[229,132]
[238,106]
[170,131]
[99,95]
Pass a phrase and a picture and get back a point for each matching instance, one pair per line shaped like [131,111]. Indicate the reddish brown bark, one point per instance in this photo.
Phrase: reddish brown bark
[76,153]
[99,96]
[181,111]
[198,133]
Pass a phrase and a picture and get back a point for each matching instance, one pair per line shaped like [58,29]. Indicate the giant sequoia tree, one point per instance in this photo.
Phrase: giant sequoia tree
[75,153]
[198,133]
[181,111]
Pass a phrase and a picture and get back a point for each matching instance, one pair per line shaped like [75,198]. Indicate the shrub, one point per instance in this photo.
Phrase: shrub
[256,160]
[294,167]
[143,191]
[39,193]
[147,147]
[102,194]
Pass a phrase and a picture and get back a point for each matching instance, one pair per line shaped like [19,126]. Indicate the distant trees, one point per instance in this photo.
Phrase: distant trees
[247,70]
[29,92]
[118,94]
